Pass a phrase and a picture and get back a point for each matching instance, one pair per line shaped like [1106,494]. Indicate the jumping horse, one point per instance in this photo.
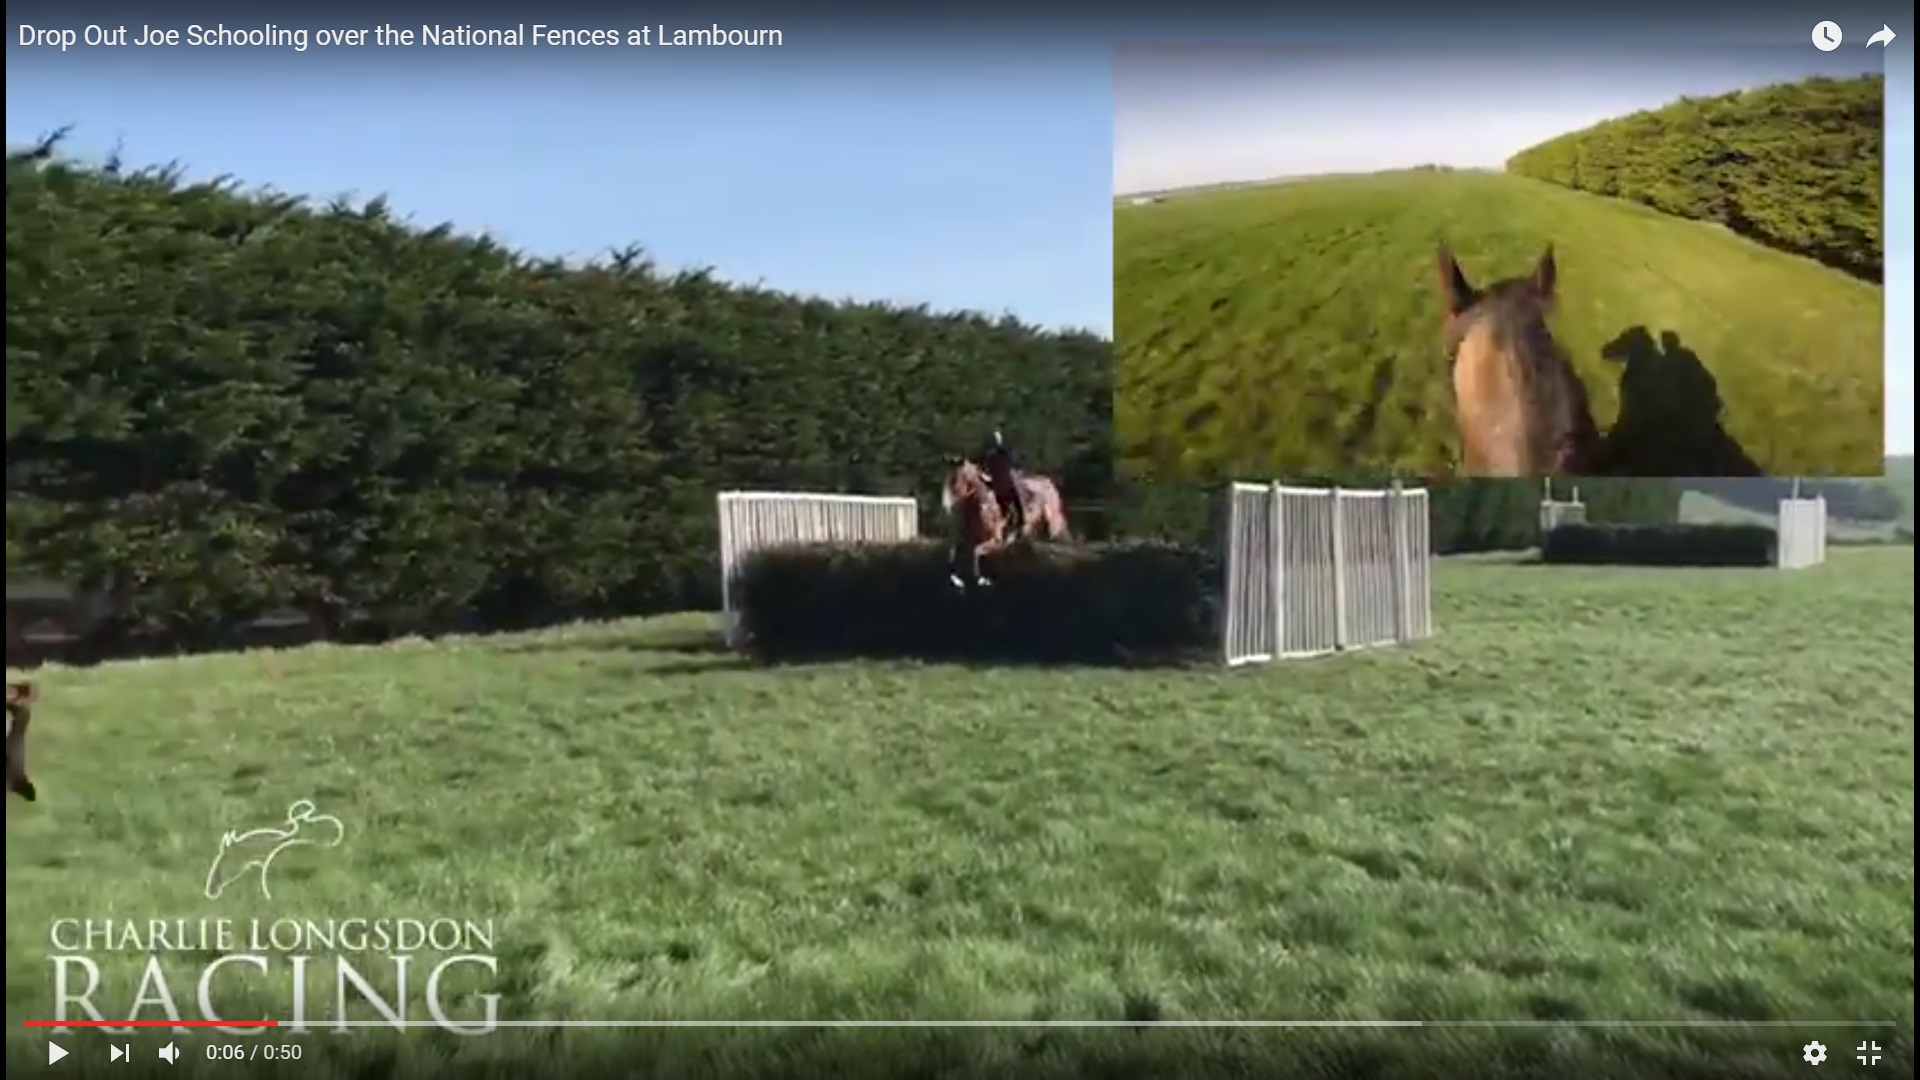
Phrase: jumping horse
[980,524]
[1522,409]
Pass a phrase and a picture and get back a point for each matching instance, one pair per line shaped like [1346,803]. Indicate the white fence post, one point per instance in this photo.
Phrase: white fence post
[1800,532]
[1820,548]
[1339,571]
[1555,513]
[1420,562]
[1248,627]
[1280,575]
[1396,558]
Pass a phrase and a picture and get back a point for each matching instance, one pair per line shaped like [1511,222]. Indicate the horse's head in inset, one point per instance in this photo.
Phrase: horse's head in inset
[1522,409]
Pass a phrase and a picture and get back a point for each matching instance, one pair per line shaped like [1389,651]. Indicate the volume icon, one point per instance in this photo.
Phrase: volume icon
[169,1053]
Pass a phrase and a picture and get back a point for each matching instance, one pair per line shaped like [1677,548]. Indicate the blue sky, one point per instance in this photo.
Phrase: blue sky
[1186,116]
[966,164]
[956,177]
[1208,115]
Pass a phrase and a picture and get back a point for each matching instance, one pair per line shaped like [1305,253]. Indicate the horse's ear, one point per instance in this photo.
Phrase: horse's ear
[953,461]
[1455,291]
[1546,275]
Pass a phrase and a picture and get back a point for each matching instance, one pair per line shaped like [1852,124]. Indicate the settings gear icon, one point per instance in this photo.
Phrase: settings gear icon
[1814,1053]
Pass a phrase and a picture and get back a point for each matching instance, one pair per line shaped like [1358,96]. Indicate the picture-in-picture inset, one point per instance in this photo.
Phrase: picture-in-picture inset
[1498,262]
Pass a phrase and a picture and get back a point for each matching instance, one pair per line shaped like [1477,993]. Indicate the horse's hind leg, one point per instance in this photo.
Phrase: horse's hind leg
[980,552]
[953,567]
[1057,530]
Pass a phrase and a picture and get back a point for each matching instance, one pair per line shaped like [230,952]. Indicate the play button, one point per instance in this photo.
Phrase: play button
[55,1053]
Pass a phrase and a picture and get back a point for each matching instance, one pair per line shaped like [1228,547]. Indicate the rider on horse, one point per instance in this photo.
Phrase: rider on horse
[997,462]
[976,487]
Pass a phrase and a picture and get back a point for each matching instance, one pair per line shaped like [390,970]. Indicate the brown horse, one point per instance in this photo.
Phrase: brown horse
[981,525]
[20,699]
[1522,409]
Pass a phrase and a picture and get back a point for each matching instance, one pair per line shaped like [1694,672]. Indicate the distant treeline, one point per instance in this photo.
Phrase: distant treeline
[1796,166]
[223,402]
[1847,500]
[1465,515]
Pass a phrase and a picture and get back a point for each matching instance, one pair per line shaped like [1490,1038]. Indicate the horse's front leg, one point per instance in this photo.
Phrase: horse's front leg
[981,551]
[954,555]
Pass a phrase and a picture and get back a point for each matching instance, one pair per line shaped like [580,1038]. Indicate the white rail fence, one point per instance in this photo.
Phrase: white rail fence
[753,521]
[1312,571]
[1801,533]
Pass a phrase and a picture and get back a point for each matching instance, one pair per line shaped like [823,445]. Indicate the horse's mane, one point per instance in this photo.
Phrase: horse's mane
[1513,314]
[977,491]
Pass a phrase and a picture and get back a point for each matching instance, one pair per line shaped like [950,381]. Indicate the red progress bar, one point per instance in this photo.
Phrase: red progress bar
[151,1023]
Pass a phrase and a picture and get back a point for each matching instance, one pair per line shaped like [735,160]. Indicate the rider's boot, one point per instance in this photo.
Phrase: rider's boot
[1016,515]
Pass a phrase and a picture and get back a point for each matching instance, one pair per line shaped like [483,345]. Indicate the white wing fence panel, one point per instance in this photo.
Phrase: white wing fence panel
[1801,533]
[753,521]
[1312,571]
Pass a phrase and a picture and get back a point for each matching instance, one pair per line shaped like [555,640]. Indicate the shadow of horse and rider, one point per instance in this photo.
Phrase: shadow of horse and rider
[1523,411]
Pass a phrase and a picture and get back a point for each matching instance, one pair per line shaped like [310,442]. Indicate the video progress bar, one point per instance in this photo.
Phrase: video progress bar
[471,1025]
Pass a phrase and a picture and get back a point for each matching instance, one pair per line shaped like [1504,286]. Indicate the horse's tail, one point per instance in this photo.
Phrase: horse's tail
[1051,507]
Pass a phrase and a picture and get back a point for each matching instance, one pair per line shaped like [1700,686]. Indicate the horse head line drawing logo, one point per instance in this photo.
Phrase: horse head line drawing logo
[257,848]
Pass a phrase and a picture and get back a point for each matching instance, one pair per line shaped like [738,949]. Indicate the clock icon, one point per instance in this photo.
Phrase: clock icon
[1826,36]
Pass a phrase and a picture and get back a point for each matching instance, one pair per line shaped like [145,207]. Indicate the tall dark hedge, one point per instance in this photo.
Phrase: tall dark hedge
[1082,603]
[222,402]
[1795,166]
[1660,545]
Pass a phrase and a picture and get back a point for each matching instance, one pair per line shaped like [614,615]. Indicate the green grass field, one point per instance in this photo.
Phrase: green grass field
[1596,795]
[1294,329]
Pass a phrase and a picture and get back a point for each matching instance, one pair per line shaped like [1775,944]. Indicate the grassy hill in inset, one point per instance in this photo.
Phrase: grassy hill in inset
[1295,329]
